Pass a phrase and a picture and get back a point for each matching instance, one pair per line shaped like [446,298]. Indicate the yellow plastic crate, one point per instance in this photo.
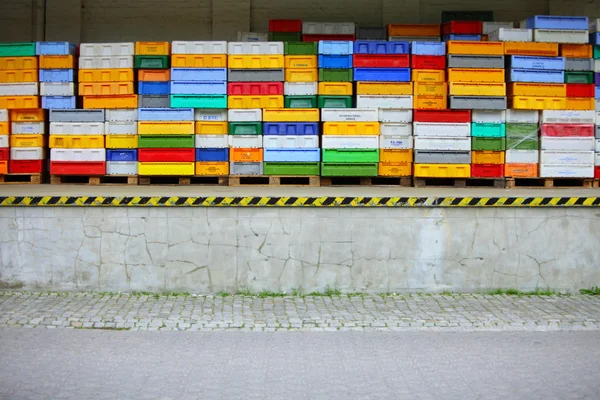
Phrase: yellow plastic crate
[531,49]
[395,156]
[12,63]
[487,157]
[537,103]
[77,141]
[292,115]
[384,88]
[255,101]
[57,62]
[335,88]
[4,128]
[475,48]
[152,48]
[395,169]
[12,102]
[199,61]
[431,88]
[442,170]
[255,61]
[301,62]
[301,75]
[475,75]
[430,102]
[576,50]
[580,103]
[166,168]
[121,141]
[537,89]
[103,89]
[122,101]
[351,128]
[26,140]
[428,75]
[477,89]
[165,128]
[28,115]
[106,75]
[18,75]
[212,168]
[212,128]
[3,167]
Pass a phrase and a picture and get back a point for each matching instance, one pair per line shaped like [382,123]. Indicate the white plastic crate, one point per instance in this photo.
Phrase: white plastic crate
[121,128]
[246,141]
[597,104]
[291,142]
[443,143]
[349,115]
[97,155]
[121,168]
[395,115]
[252,37]
[597,146]
[396,129]
[27,153]
[568,117]
[3,115]
[77,128]
[328,28]
[381,101]
[27,128]
[522,156]
[596,65]
[594,24]
[597,159]
[560,36]
[566,171]
[261,48]
[106,49]
[567,157]
[489,26]
[300,88]
[106,62]
[489,116]
[597,117]
[442,129]
[523,24]
[396,142]
[349,142]
[3,141]
[522,116]
[57,89]
[214,115]
[245,115]
[511,35]
[202,47]
[19,89]
[568,143]
[121,114]
[212,141]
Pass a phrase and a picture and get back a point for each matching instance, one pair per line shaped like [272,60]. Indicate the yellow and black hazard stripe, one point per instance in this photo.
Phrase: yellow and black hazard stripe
[98,201]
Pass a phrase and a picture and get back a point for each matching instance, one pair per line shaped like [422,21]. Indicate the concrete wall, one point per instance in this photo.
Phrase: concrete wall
[204,250]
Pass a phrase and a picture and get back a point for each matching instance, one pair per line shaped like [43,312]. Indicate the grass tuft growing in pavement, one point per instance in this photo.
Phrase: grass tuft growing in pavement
[266,293]
[594,291]
[329,292]
[223,293]
[516,292]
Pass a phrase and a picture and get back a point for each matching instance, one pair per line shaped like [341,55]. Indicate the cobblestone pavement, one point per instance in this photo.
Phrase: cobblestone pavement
[459,312]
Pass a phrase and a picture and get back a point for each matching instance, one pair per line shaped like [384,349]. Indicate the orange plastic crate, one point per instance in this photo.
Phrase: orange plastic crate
[487,157]
[521,170]
[414,30]
[245,155]
[199,61]
[122,101]
[537,89]
[29,115]
[106,75]
[12,102]
[395,169]
[576,50]
[212,168]
[3,167]
[18,63]
[395,156]
[475,48]
[57,62]
[430,102]
[475,75]
[18,75]
[4,128]
[580,103]
[531,49]
[431,88]
[428,75]
[152,48]
[106,89]
[154,75]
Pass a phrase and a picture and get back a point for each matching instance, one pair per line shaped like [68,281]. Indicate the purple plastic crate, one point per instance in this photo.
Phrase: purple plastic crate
[597,78]
[380,47]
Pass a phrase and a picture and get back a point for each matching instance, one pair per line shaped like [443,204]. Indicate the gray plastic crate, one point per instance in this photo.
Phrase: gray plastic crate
[597,131]
[477,103]
[76,116]
[154,101]
[371,33]
[256,75]
[245,168]
[442,157]
[461,61]
[579,64]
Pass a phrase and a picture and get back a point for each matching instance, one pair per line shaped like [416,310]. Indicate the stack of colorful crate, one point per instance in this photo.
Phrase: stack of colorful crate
[414,32]
[212,142]
[337,31]
[488,130]
[522,144]
[57,74]
[335,74]
[152,62]
[396,136]
[121,139]
[595,41]
[462,30]
[284,30]
[301,75]
[429,74]
[18,76]
[27,142]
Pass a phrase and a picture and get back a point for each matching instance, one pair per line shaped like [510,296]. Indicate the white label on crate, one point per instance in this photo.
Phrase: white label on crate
[349,115]
[300,88]
[3,115]
[121,114]
[396,142]
[511,35]
[97,155]
[121,168]
[121,128]
[522,116]
[522,156]
[291,142]
[246,141]
[489,26]
[213,115]
[566,171]
[212,141]
[441,129]
[106,49]
[443,143]
[328,28]
[258,48]
[77,128]
[26,153]
[3,141]
[202,47]
[245,115]
[396,129]
[489,116]
[252,37]
[27,128]
[114,62]
[395,115]
[57,89]
[568,117]
[19,89]
[567,157]
[560,36]
[568,143]
[350,142]
[381,101]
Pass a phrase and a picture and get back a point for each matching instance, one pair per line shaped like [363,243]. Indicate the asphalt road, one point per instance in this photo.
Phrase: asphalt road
[84,364]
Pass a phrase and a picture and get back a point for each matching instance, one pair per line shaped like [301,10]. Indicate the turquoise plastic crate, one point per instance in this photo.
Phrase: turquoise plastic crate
[17,49]
[488,130]
[198,101]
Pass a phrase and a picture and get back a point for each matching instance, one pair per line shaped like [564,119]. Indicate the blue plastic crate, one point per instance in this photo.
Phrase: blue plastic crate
[428,48]
[195,87]
[212,154]
[536,76]
[55,49]
[148,88]
[331,61]
[121,155]
[382,74]
[597,92]
[290,128]
[380,47]
[292,155]
[595,38]
[547,63]
[465,38]
[165,114]
[56,75]
[557,22]
[58,102]
[199,74]
[335,47]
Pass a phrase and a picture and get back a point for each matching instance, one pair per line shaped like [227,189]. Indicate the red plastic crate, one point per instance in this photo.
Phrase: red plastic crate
[316,38]
[456,116]
[568,130]
[597,172]
[581,90]
[285,25]
[462,28]
[254,88]
[77,168]
[4,152]
[382,60]
[487,170]
[166,155]
[25,166]
[428,62]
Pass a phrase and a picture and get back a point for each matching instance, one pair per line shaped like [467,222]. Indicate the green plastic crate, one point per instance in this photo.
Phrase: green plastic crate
[335,102]
[166,141]
[245,128]
[277,168]
[285,36]
[519,143]
[486,143]
[521,130]
[198,101]
[300,101]
[467,16]
[335,75]
[301,48]
[341,169]
[480,129]
[350,155]
[596,52]
[152,62]
[579,77]
[17,49]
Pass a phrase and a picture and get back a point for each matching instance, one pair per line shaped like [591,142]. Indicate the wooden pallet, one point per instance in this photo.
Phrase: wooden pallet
[274,180]
[200,180]
[17,179]
[460,182]
[94,180]
[405,181]
[552,182]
